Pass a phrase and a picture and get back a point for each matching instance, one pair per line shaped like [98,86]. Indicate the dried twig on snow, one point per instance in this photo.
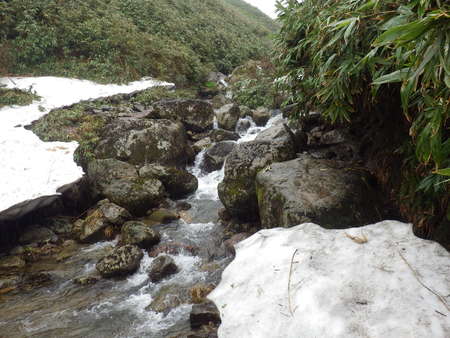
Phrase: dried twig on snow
[289,284]
[416,275]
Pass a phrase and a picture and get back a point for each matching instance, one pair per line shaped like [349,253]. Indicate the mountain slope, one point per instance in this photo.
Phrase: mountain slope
[119,40]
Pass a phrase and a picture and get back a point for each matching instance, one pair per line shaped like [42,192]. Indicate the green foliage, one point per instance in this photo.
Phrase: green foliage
[354,58]
[10,97]
[121,40]
[253,85]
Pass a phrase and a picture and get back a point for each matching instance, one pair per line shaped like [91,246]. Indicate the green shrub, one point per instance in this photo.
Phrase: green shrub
[379,62]
[122,40]
[10,97]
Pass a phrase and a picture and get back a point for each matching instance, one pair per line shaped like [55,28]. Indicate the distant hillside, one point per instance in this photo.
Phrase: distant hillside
[120,40]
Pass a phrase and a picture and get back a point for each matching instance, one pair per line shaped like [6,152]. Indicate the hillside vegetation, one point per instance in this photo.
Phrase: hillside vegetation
[120,40]
[383,67]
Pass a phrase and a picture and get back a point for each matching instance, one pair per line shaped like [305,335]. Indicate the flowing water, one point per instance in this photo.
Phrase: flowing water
[117,308]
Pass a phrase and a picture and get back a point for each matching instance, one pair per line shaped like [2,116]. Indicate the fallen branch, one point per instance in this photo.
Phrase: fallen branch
[416,275]
[289,284]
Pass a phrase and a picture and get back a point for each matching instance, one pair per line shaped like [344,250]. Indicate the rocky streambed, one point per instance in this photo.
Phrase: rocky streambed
[155,238]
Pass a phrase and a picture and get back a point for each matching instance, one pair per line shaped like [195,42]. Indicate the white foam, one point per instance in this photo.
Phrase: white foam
[31,168]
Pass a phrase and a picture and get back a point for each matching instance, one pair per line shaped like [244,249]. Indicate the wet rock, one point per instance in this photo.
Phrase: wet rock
[224,215]
[17,250]
[162,267]
[243,125]
[101,173]
[93,227]
[168,298]
[36,280]
[204,314]
[216,155]
[36,234]
[219,135]
[163,216]
[183,206]
[174,249]
[140,234]
[11,265]
[141,141]
[235,239]
[319,191]
[237,191]
[122,261]
[202,144]
[261,116]
[245,111]
[60,225]
[177,182]
[199,293]
[196,115]
[136,195]
[219,101]
[87,280]
[228,116]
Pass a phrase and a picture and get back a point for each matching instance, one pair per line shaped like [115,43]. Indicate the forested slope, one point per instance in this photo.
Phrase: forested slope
[382,67]
[118,40]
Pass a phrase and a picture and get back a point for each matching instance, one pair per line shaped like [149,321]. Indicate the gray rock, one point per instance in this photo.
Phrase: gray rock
[204,314]
[219,135]
[243,125]
[237,191]
[142,141]
[101,173]
[202,144]
[196,115]
[168,298]
[216,155]
[319,191]
[245,111]
[92,228]
[162,267]
[137,195]
[228,116]
[122,261]
[261,116]
[35,234]
[177,182]
[11,265]
[140,234]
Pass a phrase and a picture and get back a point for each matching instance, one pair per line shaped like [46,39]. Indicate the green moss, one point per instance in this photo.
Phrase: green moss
[10,97]
[149,96]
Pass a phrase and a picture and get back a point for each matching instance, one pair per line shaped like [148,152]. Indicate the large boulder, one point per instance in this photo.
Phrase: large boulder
[310,190]
[102,173]
[237,191]
[196,115]
[216,155]
[142,141]
[92,228]
[228,116]
[177,182]
[140,234]
[121,261]
[137,195]
[120,183]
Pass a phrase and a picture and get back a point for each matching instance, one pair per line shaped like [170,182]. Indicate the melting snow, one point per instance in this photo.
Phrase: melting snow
[335,287]
[29,167]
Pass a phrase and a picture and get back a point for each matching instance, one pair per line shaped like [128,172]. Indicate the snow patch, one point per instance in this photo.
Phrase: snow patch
[31,168]
[308,281]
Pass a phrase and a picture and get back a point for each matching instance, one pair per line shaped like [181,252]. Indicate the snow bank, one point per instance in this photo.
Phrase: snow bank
[337,287]
[29,167]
